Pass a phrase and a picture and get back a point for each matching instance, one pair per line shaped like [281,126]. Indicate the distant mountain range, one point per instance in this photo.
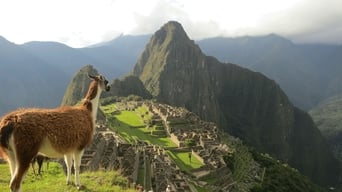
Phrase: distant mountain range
[40,71]
[308,73]
[36,74]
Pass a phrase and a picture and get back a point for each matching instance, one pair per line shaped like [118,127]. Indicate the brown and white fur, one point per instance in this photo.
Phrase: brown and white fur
[63,131]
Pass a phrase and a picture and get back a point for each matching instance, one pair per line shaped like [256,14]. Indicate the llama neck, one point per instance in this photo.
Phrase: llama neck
[94,105]
[92,98]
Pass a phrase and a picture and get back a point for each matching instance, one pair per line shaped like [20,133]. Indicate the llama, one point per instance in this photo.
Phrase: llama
[39,159]
[63,131]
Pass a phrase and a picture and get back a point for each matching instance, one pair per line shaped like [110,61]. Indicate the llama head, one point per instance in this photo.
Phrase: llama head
[101,80]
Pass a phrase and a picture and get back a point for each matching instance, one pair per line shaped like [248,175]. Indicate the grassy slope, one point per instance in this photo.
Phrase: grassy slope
[130,126]
[54,180]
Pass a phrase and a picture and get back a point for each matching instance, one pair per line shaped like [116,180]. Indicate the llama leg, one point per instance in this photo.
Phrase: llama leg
[22,167]
[68,163]
[40,160]
[12,163]
[77,164]
[32,164]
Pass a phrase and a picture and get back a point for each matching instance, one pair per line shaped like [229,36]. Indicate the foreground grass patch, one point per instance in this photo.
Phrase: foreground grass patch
[54,180]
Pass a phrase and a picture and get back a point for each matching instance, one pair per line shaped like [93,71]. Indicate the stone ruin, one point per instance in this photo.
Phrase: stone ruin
[109,152]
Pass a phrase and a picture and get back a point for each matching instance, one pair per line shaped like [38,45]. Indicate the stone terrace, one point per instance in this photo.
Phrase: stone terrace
[109,152]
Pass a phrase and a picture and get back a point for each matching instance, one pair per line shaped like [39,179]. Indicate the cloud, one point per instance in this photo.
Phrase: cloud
[299,20]
[83,22]
[316,21]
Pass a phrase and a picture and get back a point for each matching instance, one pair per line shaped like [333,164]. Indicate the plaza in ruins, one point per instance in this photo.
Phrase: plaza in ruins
[153,166]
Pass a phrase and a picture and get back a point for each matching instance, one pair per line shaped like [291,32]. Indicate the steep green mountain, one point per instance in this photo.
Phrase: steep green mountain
[243,103]
[307,73]
[78,87]
[328,118]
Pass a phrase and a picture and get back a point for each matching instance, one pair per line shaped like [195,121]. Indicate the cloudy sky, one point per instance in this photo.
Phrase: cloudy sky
[79,23]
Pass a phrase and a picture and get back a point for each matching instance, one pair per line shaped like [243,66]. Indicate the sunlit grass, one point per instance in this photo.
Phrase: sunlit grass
[130,118]
[54,180]
[183,161]
[122,123]
[130,126]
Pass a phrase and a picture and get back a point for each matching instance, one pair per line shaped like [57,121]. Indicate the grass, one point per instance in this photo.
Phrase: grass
[54,180]
[183,162]
[130,118]
[130,126]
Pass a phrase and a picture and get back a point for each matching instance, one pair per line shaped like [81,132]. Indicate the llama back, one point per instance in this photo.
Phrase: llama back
[53,124]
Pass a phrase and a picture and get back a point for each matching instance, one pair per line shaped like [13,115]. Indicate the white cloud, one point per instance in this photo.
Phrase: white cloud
[83,22]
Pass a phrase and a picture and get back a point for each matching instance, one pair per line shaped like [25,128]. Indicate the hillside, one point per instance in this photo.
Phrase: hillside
[328,118]
[238,170]
[243,103]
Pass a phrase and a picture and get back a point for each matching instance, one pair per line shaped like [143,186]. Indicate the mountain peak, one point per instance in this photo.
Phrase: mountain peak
[242,102]
[170,43]
[171,31]
[78,86]
[172,27]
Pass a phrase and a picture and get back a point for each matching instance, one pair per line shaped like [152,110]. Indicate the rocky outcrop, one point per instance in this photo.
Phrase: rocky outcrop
[242,102]
[78,88]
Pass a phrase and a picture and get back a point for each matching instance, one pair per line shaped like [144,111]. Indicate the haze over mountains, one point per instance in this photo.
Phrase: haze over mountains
[36,74]
[308,73]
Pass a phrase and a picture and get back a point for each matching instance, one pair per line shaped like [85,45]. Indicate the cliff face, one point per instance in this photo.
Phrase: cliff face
[244,103]
[129,85]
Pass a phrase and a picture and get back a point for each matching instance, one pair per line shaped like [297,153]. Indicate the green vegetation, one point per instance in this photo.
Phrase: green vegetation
[240,162]
[183,161]
[275,176]
[328,118]
[54,180]
[78,86]
[130,125]
[281,178]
